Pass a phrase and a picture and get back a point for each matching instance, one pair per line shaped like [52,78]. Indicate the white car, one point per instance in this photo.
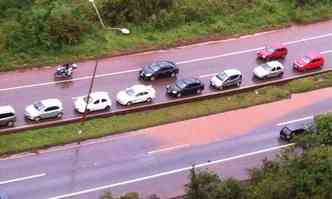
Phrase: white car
[269,69]
[97,101]
[135,94]
[227,78]
[48,108]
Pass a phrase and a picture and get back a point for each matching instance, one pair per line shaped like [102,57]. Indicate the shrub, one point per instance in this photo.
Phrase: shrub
[47,26]
[11,7]
[118,12]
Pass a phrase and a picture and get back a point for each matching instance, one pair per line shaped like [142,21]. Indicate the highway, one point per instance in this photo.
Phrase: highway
[21,88]
[152,161]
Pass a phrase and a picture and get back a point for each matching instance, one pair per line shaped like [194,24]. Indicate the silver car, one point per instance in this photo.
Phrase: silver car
[48,108]
[269,69]
[227,78]
[7,116]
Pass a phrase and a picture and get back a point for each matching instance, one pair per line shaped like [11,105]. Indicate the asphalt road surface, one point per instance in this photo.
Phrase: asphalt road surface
[139,162]
[22,88]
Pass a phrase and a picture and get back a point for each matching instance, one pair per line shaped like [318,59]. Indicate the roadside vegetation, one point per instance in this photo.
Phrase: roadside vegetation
[39,32]
[42,138]
[298,174]
[302,174]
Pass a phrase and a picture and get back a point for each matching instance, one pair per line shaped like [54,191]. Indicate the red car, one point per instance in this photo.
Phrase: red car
[276,51]
[312,60]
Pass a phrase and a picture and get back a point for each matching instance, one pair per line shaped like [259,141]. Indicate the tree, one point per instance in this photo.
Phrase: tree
[202,185]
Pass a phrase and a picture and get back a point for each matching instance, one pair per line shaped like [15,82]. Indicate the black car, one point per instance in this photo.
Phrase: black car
[185,87]
[158,69]
[287,133]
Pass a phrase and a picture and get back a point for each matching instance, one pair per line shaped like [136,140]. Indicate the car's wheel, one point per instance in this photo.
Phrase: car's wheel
[10,124]
[178,95]
[107,108]
[152,78]
[149,99]
[238,84]
[37,119]
[173,74]
[59,115]
[281,74]
[129,103]
[199,91]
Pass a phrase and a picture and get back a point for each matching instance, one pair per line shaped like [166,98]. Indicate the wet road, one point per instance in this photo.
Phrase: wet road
[20,89]
[152,161]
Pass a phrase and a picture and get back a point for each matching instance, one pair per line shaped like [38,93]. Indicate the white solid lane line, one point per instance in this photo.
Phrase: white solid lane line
[326,52]
[170,172]
[179,63]
[296,120]
[68,81]
[213,74]
[168,149]
[22,179]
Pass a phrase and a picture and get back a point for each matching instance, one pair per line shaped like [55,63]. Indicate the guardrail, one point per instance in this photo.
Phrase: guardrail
[140,108]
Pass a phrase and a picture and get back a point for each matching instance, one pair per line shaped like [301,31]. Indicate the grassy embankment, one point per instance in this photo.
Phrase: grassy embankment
[41,138]
[193,21]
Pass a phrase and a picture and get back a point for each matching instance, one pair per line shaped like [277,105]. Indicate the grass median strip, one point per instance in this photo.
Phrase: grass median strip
[41,138]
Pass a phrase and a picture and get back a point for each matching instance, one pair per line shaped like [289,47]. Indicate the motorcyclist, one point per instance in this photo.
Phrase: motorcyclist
[68,68]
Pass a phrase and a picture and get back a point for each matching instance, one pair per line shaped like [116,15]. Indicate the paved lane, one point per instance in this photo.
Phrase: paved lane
[203,60]
[153,158]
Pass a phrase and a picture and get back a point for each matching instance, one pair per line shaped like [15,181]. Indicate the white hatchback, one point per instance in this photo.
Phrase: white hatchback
[97,101]
[136,94]
[269,69]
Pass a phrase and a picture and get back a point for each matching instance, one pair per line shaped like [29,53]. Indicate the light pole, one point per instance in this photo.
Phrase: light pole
[122,30]
[88,96]
[98,14]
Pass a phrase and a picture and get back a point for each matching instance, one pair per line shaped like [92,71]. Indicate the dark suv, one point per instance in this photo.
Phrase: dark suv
[185,87]
[158,69]
[287,133]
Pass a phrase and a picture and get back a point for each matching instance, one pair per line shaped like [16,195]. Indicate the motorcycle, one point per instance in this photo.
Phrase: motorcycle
[65,71]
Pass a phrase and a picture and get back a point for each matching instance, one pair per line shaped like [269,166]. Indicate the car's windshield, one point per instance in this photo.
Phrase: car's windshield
[222,76]
[38,105]
[130,91]
[181,84]
[86,99]
[269,49]
[154,67]
[267,67]
[306,59]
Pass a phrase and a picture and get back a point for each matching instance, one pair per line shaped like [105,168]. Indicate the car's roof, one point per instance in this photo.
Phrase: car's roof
[139,87]
[99,94]
[278,45]
[3,195]
[190,80]
[299,125]
[165,62]
[7,109]
[231,72]
[274,64]
[51,102]
[314,54]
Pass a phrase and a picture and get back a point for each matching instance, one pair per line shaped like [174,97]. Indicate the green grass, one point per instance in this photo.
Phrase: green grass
[41,138]
[261,15]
